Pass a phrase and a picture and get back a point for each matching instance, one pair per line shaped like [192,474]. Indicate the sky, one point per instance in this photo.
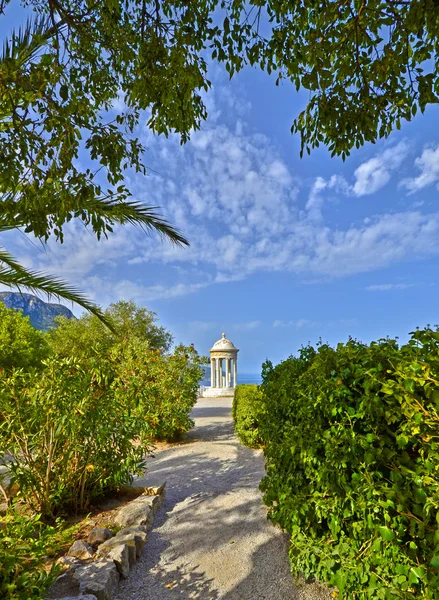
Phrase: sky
[284,250]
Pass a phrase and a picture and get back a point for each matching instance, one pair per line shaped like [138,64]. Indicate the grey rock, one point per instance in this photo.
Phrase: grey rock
[151,486]
[69,563]
[80,550]
[134,541]
[138,512]
[81,597]
[120,556]
[139,537]
[99,535]
[139,530]
[98,578]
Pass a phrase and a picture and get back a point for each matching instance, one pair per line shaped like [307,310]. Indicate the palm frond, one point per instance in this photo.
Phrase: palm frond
[25,42]
[15,275]
[135,213]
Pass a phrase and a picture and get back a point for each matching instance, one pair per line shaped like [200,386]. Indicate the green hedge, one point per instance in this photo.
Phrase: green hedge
[351,440]
[246,411]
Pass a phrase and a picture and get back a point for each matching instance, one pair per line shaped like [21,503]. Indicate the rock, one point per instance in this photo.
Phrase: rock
[139,536]
[3,508]
[120,556]
[99,535]
[138,512]
[109,545]
[80,550]
[81,597]
[134,541]
[138,529]
[98,578]
[69,563]
[153,487]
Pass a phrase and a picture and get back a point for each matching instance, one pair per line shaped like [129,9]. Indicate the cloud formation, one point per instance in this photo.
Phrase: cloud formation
[428,165]
[386,287]
[244,210]
[376,172]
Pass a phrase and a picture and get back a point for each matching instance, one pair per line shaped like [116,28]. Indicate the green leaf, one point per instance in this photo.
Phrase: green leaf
[386,533]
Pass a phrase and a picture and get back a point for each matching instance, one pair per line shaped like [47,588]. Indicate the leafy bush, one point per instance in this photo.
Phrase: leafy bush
[89,337]
[160,389]
[25,544]
[20,344]
[352,458]
[68,433]
[246,411]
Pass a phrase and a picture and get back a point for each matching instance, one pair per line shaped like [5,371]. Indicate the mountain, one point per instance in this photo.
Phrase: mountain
[41,314]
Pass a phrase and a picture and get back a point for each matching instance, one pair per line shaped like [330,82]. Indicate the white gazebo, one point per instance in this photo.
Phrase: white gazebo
[223,369]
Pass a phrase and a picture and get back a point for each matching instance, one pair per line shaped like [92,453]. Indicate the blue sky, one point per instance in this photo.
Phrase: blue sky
[283,250]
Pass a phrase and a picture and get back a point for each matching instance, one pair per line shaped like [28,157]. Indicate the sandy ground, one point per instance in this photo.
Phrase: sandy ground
[211,538]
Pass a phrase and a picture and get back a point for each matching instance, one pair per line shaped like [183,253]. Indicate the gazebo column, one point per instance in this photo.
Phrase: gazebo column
[235,372]
[218,376]
[227,372]
[212,372]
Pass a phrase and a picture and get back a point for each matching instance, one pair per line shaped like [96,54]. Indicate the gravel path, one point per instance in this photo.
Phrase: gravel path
[211,539]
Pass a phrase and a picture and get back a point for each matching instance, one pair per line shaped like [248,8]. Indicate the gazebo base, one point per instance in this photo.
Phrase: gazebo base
[214,392]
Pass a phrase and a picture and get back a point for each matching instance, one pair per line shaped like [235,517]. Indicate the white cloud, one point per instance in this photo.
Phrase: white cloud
[247,326]
[316,199]
[428,164]
[239,204]
[298,324]
[375,173]
[385,287]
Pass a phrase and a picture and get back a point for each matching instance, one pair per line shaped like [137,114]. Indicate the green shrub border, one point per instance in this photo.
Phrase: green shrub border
[246,412]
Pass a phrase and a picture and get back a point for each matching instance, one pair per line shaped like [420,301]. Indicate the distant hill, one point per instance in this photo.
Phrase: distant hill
[41,314]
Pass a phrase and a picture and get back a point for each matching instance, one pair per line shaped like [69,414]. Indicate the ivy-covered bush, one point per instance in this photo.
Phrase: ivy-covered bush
[246,412]
[161,389]
[351,440]
[69,435]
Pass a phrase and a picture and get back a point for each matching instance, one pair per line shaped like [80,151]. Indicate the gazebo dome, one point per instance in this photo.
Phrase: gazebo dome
[223,345]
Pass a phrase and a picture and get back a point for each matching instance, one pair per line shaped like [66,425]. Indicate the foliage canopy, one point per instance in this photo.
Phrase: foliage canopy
[78,77]
[87,336]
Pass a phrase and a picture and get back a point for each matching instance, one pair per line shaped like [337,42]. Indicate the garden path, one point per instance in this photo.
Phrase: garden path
[211,539]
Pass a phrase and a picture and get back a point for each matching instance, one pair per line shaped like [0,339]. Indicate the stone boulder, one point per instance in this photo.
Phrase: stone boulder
[69,563]
[80,550]
[138,512]
[99,535]
[99,578]
[81,597]
[135,540]
[120,556]
[138,534]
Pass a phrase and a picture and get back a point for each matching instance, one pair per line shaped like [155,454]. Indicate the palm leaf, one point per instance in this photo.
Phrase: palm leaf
[15,275]
[135,213]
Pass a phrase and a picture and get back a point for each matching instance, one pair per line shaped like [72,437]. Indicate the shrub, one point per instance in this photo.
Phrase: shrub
[89,337]
[25,544]
[69,435]
[160,389]
[352,455]
[20,344]
[246,411]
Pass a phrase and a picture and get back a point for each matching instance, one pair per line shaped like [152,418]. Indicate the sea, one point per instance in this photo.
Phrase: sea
[242,378]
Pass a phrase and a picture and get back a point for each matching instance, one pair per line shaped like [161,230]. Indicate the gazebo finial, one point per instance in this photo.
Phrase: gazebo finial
[223,336]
